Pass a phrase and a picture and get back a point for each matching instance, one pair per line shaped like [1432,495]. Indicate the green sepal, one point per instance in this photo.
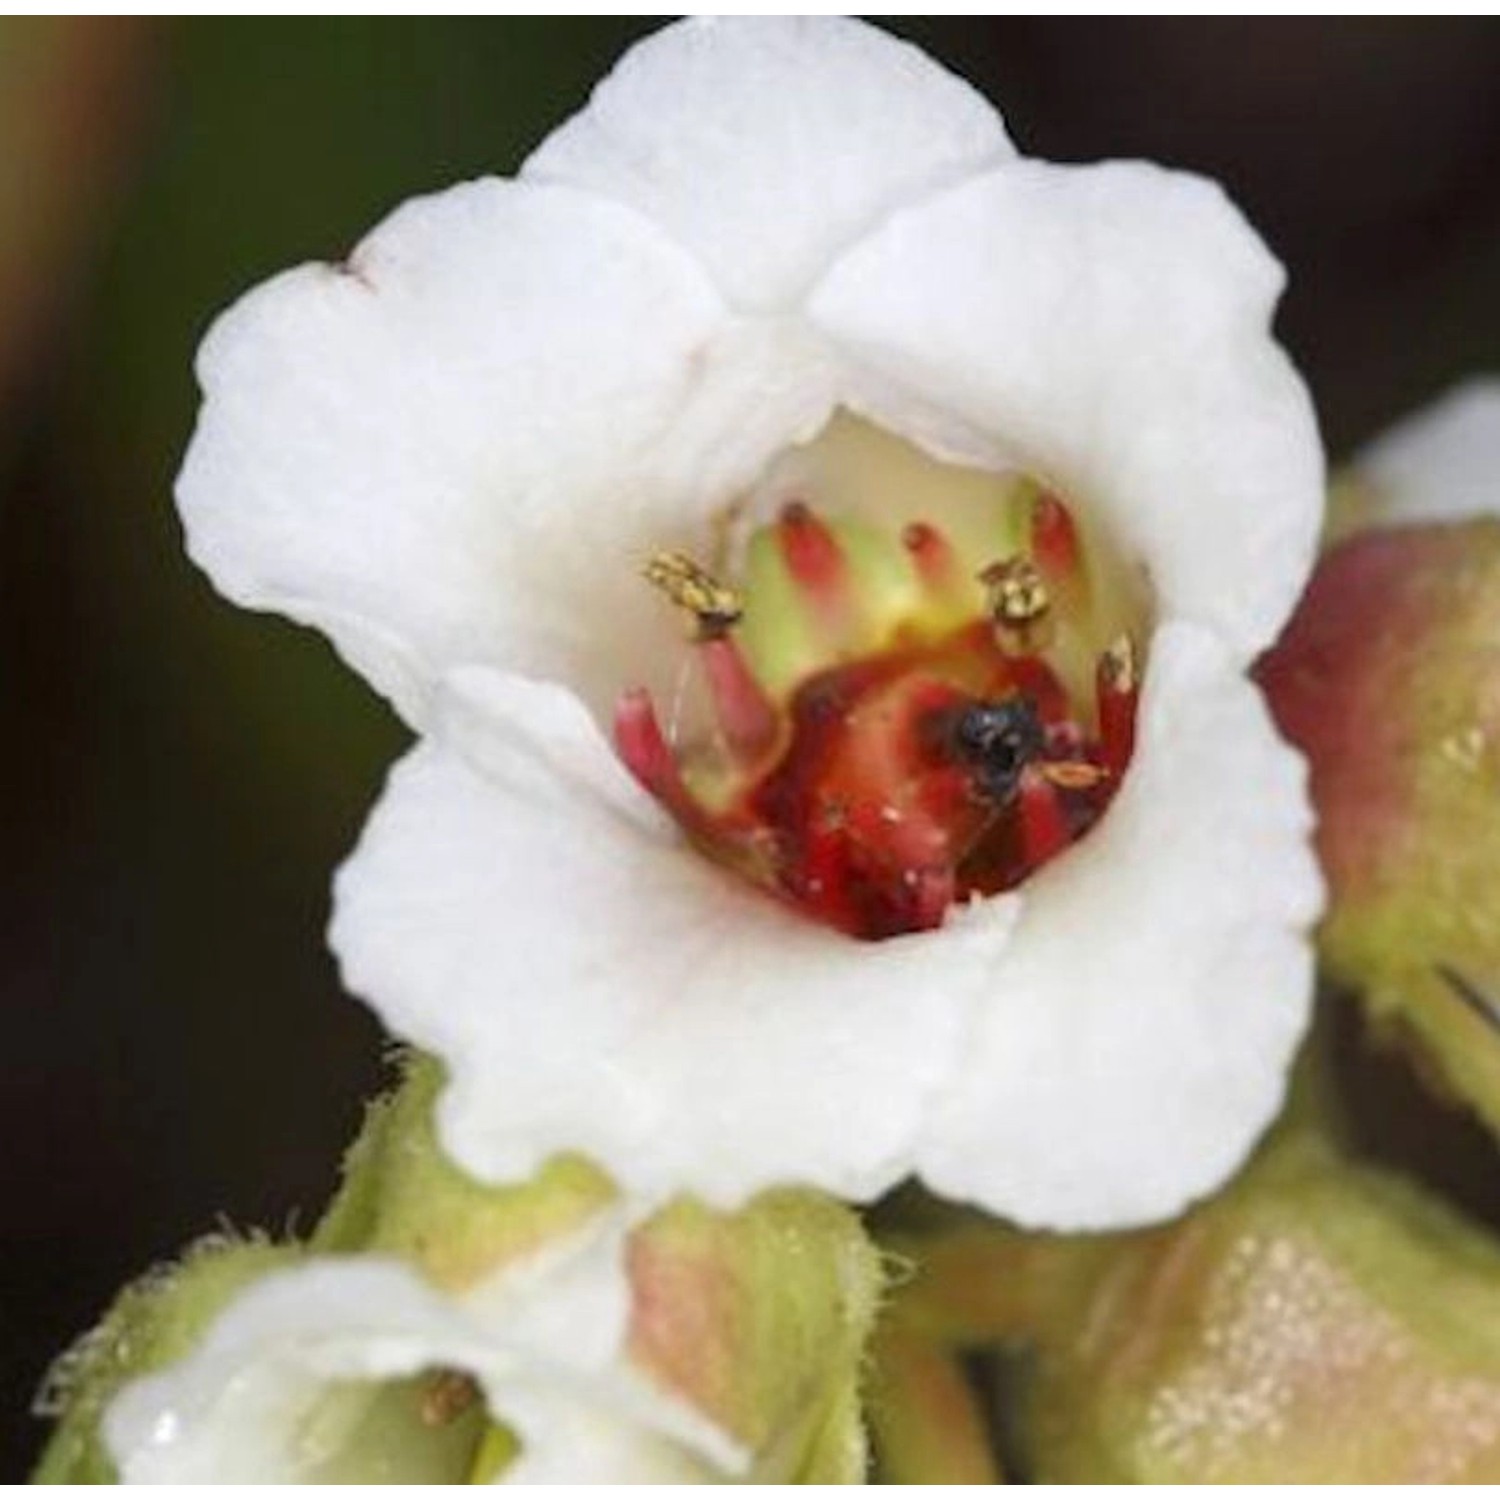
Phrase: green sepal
[154,1321]
[761,1319]
[402,1195]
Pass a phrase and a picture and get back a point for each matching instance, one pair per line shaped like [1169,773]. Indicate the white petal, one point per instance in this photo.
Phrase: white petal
[581,1412]
[427,453]
[1108,328]
[253,1402]
[593,1445]
[1139,1028]
[291,1383]
[520,908]
[1441,463]
[765,145]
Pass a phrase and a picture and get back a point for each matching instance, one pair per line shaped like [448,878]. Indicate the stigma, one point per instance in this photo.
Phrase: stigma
[933,742]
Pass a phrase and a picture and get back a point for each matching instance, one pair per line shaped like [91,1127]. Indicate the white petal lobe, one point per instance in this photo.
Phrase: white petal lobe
[426,453]
[765,145]
[298,1382]
[1441,463]
[593,984]
[1108,328]
[243,1408]
[1136,1035]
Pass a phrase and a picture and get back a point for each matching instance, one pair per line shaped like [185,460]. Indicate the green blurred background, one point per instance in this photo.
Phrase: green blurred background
[180,778]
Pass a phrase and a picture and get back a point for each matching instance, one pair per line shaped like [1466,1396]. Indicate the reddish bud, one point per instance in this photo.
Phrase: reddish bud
[1388,678]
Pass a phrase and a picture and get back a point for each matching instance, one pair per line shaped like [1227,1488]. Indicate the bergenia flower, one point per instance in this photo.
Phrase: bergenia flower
[954,839]
[350,1371]
[516,1335]
[356,1370]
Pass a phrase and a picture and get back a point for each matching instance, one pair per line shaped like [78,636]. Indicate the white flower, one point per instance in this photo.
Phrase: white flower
[452,455]
[687,1353]
[436,1329]
[354,1369]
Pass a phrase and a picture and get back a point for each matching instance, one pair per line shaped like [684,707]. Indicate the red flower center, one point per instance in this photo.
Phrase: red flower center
[950,761]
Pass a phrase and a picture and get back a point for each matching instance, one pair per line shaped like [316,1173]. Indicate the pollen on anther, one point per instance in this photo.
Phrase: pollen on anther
[713,606]
[1017,593]
[1117,691]
[1118,665]
[447,1396]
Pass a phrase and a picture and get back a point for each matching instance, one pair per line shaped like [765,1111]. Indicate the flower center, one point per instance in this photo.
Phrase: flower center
[900,716]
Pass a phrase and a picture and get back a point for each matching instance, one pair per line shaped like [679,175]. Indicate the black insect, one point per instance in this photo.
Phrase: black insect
[997,741]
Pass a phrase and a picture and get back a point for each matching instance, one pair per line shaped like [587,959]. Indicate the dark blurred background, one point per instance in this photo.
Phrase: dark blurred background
[180,778]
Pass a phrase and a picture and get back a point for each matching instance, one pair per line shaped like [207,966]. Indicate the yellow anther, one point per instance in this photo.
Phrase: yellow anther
[446,1397]
[714,606]
[1073,775]
[1017,595]
[1019,604]
[1118,665]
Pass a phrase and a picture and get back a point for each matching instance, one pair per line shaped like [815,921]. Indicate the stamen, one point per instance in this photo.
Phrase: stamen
[815,559]
[447,1396]
[1118,691]
[936,564]
[747,717]
[1043,820]
[640,743]
[1019,604]
[647,756]
[1073,775]
[1054,539]
[714,607]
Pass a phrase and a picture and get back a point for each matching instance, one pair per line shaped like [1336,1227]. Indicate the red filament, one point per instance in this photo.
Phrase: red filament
[816,562]
[1054,540]
[747,717]
[936,563]
[1117,695]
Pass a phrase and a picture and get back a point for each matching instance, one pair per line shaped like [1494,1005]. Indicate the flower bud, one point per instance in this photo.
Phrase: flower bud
[1315,1323]
[438,1330]
[1388,678]
[756,1319]
[154,1322]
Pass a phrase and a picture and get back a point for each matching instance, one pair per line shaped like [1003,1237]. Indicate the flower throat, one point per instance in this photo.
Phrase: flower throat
[897,720]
